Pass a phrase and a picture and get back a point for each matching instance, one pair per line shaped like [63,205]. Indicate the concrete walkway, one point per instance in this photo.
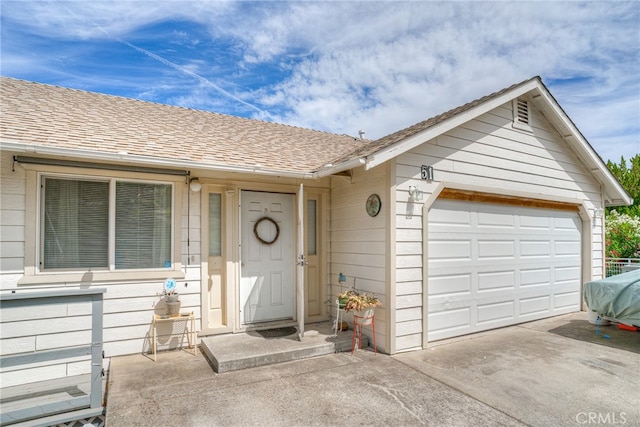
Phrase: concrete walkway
[525,375]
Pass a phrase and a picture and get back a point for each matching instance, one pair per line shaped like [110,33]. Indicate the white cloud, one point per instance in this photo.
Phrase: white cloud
[80,19]
[378,66]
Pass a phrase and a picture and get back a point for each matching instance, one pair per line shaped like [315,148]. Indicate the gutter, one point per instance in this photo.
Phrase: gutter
[341,167]
[147,161]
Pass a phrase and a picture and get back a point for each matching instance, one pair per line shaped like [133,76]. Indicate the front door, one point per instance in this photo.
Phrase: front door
[267,257]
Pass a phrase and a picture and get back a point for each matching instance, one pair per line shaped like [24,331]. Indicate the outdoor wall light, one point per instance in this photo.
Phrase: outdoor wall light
[598,212]
[229,192]
[195,185]
[414,194]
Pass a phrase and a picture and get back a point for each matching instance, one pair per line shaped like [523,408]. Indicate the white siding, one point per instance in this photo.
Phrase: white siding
[358,241]
[485,152]
[12,216]
[45,326]
[128,305]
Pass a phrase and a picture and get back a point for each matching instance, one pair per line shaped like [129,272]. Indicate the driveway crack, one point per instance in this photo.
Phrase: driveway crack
[394,395]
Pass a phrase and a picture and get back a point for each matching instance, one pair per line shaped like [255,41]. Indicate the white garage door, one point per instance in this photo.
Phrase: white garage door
[497,265]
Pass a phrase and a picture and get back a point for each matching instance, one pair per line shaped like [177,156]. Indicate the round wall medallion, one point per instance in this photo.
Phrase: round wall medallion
[373,205]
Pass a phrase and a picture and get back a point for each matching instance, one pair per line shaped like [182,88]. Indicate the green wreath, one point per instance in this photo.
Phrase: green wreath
[255,230]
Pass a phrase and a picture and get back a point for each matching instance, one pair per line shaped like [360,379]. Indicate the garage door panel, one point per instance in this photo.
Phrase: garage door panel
[491,249]
[450,284]
[566,300]
[568,224]
[444,323]
[534,222]
[567,247]
[498,311]
[449,249]
[536,276]
[507,265]
[459,219]
[533,248]
[567,273]
[495,219]
[535,306]
[492,280]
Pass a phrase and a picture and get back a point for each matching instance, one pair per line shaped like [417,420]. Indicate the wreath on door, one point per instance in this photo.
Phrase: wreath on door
[255,230]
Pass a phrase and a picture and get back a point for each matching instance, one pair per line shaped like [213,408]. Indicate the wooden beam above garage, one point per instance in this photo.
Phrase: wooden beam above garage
[474,196]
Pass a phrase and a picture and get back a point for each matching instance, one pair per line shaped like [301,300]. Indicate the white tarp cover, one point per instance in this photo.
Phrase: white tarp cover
[616,297]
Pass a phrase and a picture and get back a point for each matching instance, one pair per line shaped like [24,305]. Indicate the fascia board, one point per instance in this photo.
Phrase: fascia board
[420,138]
[341,167]
[570,133]
[146,161]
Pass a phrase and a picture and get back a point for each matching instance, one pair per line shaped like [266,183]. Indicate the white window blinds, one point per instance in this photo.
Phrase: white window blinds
[143,225]
[75,224]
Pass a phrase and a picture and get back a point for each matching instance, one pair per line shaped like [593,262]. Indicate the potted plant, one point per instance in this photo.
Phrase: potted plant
[172,300]
[358,301]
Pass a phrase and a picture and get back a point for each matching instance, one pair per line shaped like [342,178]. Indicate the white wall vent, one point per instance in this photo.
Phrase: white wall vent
[521,115]
[522,112]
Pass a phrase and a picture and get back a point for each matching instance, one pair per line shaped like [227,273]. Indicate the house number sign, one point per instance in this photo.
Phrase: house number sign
[426,172]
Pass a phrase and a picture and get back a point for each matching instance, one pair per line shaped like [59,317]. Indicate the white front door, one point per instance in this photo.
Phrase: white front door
[267,257]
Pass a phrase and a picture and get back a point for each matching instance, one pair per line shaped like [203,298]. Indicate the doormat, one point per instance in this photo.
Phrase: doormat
[275,333]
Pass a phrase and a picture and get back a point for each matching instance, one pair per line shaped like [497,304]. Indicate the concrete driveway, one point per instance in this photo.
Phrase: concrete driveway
[534,374]
[553,372]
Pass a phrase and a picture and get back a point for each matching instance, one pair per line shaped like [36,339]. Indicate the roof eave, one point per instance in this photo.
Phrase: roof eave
[341,167]
[615,194]
[159,162]
[421,137]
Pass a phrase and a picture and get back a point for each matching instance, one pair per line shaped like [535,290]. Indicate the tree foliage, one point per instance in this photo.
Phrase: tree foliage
[622,236]
[629,177]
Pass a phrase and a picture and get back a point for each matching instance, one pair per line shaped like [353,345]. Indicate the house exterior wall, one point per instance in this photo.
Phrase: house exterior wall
[131,298]
[129,302]
[360,243]
[489,153]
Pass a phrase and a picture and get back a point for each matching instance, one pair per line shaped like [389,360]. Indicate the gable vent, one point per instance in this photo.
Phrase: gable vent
[522,113]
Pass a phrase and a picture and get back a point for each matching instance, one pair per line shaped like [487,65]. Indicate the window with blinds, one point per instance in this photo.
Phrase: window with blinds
[76,218]
[75,224]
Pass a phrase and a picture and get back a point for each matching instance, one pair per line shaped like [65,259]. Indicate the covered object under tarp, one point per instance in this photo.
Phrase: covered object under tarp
[616,297]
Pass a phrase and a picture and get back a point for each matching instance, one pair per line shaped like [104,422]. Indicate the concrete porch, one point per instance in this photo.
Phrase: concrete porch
[233,352]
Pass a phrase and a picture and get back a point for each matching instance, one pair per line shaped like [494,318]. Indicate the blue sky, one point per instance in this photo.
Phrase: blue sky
[338,66]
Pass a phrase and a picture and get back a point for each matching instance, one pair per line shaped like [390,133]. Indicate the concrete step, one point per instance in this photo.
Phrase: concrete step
[233,352]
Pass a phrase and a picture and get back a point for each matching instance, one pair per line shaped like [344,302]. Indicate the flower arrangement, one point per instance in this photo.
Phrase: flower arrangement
[169,290]
[358,301]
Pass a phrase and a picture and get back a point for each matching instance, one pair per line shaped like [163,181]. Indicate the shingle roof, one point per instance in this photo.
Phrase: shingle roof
[51,116]
[399,136]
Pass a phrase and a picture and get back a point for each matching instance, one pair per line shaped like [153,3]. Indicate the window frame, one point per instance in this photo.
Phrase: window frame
[111,229]
[35,274]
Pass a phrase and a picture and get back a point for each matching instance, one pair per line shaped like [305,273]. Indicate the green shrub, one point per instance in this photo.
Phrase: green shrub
[622,235]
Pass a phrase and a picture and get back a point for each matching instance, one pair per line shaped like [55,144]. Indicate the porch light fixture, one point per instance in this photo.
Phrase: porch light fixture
[598,212]
[229,192]
[194,185]
[414,194]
